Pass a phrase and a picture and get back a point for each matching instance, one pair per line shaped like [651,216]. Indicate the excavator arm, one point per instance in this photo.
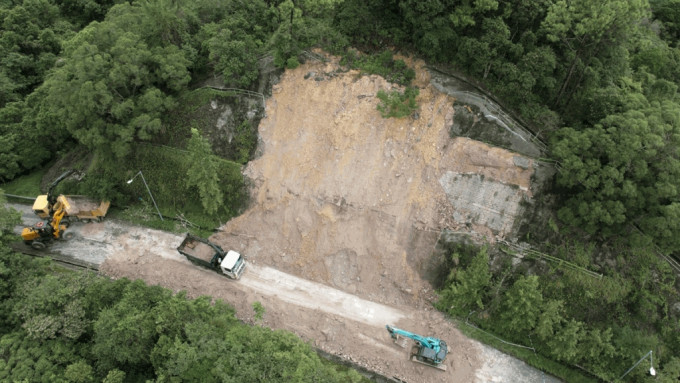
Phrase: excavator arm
[51,199]
[424,341]
[56,222]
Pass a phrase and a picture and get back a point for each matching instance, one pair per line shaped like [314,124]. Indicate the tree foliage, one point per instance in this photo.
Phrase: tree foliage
[29,45]
[147,332]
[522,305]
[602,325]
[467,289]
[114,85]
[623,171]
[203,172]
[235,42]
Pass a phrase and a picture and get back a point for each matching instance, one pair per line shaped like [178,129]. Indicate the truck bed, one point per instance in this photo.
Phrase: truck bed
[83,207]
[196,249]
[77,203]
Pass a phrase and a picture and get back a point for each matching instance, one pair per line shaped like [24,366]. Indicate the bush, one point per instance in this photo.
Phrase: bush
[292,63]
[397,104]
[246,141]
[382,64]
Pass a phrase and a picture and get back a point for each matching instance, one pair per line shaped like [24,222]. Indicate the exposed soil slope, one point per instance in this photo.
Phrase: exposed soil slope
[347,198]
[350,201]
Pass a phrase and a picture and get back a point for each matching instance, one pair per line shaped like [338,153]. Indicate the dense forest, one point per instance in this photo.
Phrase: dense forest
[110,82]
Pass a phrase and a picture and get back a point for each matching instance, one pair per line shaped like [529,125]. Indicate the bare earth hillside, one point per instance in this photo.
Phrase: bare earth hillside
[347,198]
[354,203]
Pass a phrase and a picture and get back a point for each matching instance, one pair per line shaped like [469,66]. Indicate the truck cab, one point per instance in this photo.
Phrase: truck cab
[232,265]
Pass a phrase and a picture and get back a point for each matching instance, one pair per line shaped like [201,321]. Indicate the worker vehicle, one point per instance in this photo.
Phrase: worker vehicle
[75,207]
[43,232]
[207,254]
[427,350]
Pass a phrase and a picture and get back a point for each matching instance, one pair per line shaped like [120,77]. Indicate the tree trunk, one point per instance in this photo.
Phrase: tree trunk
[486,70]
[567,79]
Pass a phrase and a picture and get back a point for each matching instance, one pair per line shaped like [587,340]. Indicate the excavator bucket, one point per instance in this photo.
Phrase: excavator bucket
[400,341]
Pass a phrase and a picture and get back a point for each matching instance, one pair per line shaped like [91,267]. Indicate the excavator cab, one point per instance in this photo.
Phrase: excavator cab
[431,356]
[44,229]
[41,230]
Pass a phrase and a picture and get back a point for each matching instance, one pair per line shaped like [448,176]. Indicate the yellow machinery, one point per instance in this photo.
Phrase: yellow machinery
[42,206]
[79,208]
[43,232]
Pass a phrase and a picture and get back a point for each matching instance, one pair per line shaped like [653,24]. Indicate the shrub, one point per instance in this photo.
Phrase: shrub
[382,64]
[397,104]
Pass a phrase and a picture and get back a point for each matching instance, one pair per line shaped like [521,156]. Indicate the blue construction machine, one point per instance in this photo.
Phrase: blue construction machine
[427,350]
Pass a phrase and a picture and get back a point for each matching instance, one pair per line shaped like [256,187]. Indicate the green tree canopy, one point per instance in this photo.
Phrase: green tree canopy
[522,305]
[625,171]
[467,288]
[113,86]
[29,45]
[203,172]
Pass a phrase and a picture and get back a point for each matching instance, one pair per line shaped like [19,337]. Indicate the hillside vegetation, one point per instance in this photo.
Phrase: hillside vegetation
[109,82]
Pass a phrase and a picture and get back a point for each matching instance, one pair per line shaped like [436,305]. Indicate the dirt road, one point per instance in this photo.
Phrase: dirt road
[337,322]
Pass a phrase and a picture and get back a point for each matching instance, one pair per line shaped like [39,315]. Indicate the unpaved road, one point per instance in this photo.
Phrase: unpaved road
[314,311]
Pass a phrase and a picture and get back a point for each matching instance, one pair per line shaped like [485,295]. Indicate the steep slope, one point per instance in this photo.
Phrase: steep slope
[344,197]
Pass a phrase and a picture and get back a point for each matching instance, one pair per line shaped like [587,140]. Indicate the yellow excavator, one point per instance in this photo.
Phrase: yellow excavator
[43,232]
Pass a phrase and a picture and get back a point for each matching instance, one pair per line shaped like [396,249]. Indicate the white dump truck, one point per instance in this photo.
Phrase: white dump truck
[207,254]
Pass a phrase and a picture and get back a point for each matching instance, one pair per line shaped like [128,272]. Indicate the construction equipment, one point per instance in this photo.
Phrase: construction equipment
[82,208]
[207,254]
[75,207]
[43,232]
[43,204]
[427,350]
